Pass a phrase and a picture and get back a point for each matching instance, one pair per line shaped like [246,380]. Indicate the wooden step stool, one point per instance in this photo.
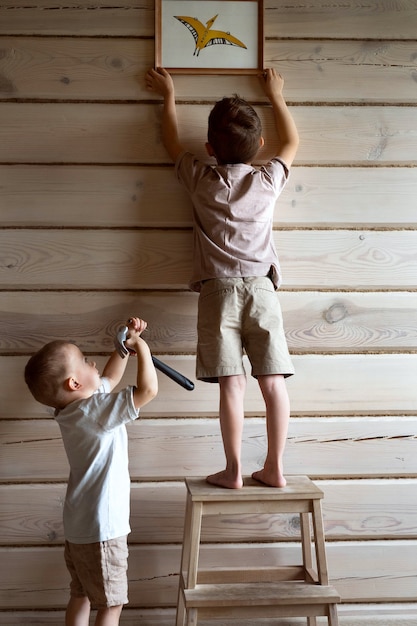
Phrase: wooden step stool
[300,590]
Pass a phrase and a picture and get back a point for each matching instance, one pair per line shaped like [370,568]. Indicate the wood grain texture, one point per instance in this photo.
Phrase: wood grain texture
[360,571]
[400,614]
[369,384]
[377,19]
[112,69]
[130,133]
[94,228]
[95,17]
[128,197]
[316,321]
[318,19]
[321,448]
[150,259]
[352,510]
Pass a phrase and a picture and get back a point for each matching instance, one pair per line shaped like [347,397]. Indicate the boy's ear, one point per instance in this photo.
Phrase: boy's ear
[210,150]
[71,384]
[261,142]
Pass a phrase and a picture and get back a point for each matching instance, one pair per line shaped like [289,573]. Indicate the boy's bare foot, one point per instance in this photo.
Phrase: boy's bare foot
[223,479]
[271,479]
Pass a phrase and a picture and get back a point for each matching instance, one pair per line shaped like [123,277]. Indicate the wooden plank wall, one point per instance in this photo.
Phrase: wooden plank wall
[94,228]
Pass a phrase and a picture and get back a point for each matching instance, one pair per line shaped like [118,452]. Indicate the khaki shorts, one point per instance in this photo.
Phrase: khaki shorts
[98,571]
[238,316]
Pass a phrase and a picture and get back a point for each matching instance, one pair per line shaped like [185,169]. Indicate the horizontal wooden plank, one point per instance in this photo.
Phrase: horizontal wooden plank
[95,259]
[123,196]
[130,133]
[314,321]
[173,449]
[94,17]
[399,614]
[75,68]
[360,571]
[367,384]
[325,71]
[151,259]
[128,196]
[353,509]
[317,19]
[349,322]
[349,19]
[113,69]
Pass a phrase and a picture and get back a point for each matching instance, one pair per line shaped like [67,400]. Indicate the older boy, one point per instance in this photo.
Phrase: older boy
[236,268]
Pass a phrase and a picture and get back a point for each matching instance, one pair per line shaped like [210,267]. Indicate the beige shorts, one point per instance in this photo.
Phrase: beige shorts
[98,571]
[238,316]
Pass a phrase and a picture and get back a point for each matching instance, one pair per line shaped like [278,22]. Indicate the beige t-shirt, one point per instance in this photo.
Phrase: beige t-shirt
[233,207]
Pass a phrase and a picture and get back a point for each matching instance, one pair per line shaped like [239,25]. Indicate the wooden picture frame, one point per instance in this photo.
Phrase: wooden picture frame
[187,42]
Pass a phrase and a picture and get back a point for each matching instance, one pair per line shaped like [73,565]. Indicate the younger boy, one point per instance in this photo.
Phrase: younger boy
[93,427]
[236,268]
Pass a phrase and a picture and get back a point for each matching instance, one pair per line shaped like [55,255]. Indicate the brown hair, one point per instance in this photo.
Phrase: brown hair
[45,372]
[234,130]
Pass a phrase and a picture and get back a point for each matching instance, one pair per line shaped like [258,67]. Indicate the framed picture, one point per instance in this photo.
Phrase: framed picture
[209,36]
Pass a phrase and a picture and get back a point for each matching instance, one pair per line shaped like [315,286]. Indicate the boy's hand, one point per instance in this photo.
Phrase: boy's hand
[136,327]
[272,83]
[160,81]
[136,324]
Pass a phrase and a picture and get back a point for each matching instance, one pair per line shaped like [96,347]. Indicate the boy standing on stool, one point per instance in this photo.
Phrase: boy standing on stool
[93,427]
[236,268]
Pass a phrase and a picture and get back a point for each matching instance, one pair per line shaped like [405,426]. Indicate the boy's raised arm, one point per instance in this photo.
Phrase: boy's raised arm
[146,378]
[161,82]
[287,133]
[114,369]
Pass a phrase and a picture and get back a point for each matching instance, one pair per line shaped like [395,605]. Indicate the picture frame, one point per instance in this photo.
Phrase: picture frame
[188,42]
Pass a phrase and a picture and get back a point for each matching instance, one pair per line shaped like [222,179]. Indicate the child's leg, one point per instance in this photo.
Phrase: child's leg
[78,612]
[109,616]
[232,392]
[274,391]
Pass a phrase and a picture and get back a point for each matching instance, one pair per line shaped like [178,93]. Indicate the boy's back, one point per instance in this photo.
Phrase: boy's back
[233,209]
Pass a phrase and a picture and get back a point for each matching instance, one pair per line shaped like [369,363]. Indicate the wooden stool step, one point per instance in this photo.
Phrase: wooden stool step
[297,590]
[253,594]
[270,600]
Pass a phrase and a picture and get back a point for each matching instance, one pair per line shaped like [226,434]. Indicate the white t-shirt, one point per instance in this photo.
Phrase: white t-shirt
[97,502]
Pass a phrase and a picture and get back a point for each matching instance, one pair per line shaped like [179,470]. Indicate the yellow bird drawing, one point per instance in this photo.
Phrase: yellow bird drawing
[204,36]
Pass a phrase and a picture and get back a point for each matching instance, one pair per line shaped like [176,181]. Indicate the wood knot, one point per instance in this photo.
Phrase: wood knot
[335,313]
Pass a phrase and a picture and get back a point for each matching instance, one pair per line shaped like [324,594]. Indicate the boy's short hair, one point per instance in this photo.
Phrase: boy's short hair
[45,371]
[234,130]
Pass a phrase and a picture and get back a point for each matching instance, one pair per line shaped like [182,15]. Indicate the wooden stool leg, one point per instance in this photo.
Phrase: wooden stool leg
[189,559]
[192,617]
[333,619]
[180,618]
[319,543]
[194,543]
[189,556]
[311,621]
[309,574]
[185,555]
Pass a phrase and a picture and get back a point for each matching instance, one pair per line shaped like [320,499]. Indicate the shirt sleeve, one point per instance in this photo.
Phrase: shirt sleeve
[115,409]
[105,386]
[189,170]
[277,173]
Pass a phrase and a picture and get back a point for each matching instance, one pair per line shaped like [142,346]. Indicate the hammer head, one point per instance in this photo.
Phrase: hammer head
[119,342]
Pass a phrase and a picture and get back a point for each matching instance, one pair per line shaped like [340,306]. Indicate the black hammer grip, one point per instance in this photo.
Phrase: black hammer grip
[119,343]
[178,378]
